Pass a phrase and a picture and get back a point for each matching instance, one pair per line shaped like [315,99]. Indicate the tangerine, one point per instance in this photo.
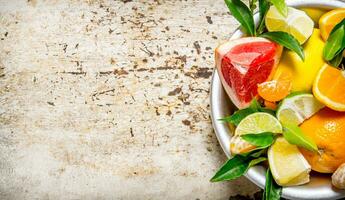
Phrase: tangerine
[276,89]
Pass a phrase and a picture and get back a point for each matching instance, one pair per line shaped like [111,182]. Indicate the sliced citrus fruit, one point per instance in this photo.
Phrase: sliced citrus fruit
[297,23]
[329,87]
[297,108]
[257,123]
[327,129]
[287,164]
[276,89]
[303,72]
[328,21]
[243,63]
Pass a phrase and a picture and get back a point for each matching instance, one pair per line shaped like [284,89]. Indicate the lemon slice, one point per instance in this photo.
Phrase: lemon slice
[297,23]
[257,123]
[287,164]
[297,108]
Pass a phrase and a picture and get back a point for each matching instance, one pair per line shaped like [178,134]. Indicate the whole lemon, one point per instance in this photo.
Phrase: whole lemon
[303,72]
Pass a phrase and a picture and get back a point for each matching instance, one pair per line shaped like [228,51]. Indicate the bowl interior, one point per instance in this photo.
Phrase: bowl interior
[320,186]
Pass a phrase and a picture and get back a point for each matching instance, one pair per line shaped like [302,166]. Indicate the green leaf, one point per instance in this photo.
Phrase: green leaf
[272,190]
[267,110]
[263,140]
[257,153]
[264,5]
[239,115]
[236,167]
[252,5]
[256,161]
[243,15]
[281,6]
[286,40]
[232,169]
[294,135]
[335,43]
[336,61]
[255,105]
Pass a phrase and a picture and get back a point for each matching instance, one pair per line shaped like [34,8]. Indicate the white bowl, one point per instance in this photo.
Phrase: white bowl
[320,186]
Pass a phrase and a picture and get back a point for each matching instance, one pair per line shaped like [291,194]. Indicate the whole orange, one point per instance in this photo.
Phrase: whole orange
[327,129]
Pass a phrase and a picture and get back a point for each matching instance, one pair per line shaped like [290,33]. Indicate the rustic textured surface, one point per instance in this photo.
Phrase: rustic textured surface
[110,99]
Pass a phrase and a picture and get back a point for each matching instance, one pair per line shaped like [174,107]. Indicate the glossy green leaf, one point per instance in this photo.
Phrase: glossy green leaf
[264,139]
[335,43]
[243,15]
[281,6]
[286,40]
[237,117]
[294,135]
[272,190]
[256,161]
[257,152]
[232,169]
[336,61]
[267,110]
[236,167]
[264,5]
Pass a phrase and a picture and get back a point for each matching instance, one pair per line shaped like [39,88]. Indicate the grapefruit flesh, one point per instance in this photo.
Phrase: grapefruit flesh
[243,64]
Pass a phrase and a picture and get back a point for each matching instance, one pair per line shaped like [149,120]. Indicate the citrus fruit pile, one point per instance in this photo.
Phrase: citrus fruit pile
[291,104]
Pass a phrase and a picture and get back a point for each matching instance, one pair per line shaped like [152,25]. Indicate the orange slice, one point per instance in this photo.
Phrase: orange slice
[329,87]
[329,20]
[276,89]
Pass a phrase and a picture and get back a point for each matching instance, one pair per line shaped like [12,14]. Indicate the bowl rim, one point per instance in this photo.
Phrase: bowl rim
[256,173]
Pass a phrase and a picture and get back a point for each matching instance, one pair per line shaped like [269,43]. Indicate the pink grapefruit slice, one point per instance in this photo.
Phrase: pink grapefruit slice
[244,63]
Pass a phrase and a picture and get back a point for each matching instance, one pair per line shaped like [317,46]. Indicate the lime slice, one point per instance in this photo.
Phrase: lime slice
[297,23]
[297,108]
[287,164]
[257,123]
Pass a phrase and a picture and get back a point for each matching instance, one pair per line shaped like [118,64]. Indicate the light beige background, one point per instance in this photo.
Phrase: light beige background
[110,100]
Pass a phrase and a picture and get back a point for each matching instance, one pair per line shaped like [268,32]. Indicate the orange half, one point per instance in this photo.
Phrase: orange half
[329,87]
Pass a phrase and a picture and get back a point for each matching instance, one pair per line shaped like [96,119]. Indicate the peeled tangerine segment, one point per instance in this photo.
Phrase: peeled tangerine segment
[287,164]
[244,63]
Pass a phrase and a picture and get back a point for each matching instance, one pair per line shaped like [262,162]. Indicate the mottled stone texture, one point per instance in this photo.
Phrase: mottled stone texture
[110,100]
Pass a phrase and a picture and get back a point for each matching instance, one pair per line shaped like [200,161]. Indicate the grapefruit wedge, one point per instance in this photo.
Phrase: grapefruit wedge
[244,63]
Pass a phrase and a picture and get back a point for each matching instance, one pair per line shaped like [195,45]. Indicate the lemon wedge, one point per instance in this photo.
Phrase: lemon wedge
[287,164]
[297,23]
